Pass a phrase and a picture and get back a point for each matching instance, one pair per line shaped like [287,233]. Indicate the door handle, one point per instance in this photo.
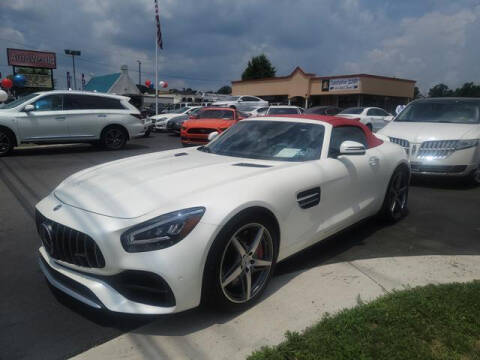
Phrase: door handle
[102,115]
[60,118]
[373,161]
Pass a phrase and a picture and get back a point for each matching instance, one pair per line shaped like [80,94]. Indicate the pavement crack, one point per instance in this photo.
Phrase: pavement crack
[370,277]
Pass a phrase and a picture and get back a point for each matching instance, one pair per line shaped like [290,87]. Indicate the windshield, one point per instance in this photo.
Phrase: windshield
[456,112]
[354,111]
[179,111]
[216,114]
[17,102]
[270,140]
[282,111]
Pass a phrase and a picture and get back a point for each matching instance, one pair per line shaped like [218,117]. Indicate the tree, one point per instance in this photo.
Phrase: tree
[440,90]
[416,93]
[468,90]
[226,90]
[259,67]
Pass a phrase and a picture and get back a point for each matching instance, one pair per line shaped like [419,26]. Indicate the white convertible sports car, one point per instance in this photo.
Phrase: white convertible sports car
[137,235]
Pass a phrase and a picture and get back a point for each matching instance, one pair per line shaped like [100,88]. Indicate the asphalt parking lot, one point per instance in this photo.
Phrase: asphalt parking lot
[36,323]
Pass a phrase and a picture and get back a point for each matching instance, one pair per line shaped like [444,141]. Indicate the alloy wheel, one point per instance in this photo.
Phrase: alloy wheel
[5,143]
[398,194]
[246,263]
[114,138]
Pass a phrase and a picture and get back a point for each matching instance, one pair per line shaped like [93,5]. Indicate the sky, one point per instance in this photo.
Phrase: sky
[207,43]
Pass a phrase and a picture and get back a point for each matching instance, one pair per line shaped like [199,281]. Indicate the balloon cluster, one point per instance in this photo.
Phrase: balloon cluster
[162,84]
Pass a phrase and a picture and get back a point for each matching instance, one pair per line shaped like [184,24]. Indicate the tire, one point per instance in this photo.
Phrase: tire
[7,142]
[474,177]
[395,203]
[234,262]
[114,138]
[147,133]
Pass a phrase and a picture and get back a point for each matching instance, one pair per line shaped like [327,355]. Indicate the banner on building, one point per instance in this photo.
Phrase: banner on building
[30,58]
[344,84]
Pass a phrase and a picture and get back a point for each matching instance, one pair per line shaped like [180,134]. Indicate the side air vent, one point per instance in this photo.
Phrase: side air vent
[181,154]
[309,198]
[252,165]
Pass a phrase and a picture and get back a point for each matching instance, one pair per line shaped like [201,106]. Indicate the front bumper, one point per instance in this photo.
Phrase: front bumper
[155,282]
[193,139]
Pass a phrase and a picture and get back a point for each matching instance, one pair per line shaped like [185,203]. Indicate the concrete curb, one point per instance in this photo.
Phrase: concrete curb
[292,302]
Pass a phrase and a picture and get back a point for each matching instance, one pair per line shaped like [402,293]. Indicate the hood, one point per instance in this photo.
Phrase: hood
[136,186]
[417,132]
[209,123]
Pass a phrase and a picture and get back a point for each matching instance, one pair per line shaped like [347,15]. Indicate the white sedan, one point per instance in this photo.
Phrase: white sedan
[137,235]
[441,136]
[160,121]
[374,118]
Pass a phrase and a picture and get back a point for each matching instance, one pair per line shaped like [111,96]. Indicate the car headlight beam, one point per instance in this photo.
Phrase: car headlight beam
[161,232]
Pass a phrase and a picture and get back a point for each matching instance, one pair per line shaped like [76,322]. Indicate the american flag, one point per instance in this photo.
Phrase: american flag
[159,31]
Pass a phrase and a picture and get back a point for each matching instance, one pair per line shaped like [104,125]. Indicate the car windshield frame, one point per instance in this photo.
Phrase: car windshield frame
[270,140]
[200,113]
[19,101]
[413,112]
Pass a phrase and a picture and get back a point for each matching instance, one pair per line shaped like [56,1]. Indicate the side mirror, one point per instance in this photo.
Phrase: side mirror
[29,108]
[352,148]
[212,135]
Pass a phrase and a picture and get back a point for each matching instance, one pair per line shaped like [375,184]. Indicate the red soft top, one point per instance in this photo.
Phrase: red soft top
[337,121]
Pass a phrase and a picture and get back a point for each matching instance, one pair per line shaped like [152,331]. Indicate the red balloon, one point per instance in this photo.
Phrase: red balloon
[6,83]
[148,83]
[165,85]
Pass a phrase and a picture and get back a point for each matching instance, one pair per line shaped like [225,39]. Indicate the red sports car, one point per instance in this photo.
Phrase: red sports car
[196,130]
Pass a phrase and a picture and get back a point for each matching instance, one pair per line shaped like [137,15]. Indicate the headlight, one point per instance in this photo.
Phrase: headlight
[465,144]
[162,231]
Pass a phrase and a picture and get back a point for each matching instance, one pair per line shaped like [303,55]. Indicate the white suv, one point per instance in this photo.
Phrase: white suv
[69,117]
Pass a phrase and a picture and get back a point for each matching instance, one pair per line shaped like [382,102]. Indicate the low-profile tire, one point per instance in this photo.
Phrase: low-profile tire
[147,133]
[7,142]
[396,198]
[114,138]
[474,177]
[240,263]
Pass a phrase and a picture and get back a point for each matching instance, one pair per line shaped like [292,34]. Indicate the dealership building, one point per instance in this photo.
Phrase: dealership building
[306,89]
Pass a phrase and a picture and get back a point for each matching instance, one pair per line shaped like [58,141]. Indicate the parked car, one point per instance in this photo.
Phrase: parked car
[255,110]
[174,125]
[162,232]
[440,135]
[195,130]
[324,110]
[373,117]
[283,110]
[161,121]
[69,117]
[241,102]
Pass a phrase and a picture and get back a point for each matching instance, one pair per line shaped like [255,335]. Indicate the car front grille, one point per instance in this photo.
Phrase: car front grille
[436,149]
[419,168]
[68,245]
[200,131]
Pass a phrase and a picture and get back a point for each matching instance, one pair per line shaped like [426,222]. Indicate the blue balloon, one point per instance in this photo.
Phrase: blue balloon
[151,86]
[19,80]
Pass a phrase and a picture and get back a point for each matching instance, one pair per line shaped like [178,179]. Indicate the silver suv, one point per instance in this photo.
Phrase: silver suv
[69,117]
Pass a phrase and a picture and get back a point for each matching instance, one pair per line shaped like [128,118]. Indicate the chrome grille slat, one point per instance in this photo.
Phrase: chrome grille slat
[402,142]
[437,149]
[72,246]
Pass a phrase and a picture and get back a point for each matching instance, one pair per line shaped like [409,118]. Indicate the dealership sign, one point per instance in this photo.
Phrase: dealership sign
[344,84]
[30,58]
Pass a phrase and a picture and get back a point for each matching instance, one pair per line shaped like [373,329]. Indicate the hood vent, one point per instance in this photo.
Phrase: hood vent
[252,165]
[181,154]
[309,198]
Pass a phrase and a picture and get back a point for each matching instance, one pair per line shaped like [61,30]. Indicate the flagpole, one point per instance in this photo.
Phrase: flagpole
[156,75]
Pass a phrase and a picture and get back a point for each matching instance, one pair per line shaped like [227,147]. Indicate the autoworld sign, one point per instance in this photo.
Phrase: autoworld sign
[30,58]
[344,84]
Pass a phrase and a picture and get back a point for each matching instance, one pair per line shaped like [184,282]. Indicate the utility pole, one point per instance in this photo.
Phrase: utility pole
[139,72]
[73,53]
